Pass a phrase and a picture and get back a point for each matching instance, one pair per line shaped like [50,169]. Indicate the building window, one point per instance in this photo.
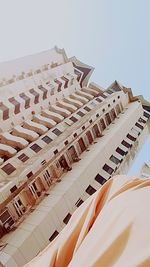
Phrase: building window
[29,174]
[36,95]
[13,189]
[66,81]
[139,125]
[126,144]
[113,114]
[59,84]
[81,114]
[23,157]
[47,139]
[87,108]
[79,74]
[90,190]
[108,169]
[114,160]
[53,236]
[120,151]
[147,115]
[142,120]
[98,100]
[8,168]
[79,202]
[26,99]
[36,148]
[57,132]
[43,162]
[73,119]
[16,104]
[108,119]
[67,218]
[44,90]
[102,125]
[109,91]
[5,111]
[131,137]
[66,142]
[100,179]
[56,151]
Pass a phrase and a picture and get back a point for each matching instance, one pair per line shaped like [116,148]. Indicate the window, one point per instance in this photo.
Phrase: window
[66,142]
[23,157]
[100,179]
[57,132]
[108,169]
[13,189]
[80,113]
[79,74]
[8,168]
[131,137]
[56,151]
[139,125]
[67,218]
[66,81]
[90,190]
[126,144]
[29,174]
[59,84]
[5,111]
[102,125]
[79,202]
[120,151]
[73,119]
[26,99]
[53,236]
[36,95]
[16,104]
[147,115]
[46,139]
[109,91]
[108,119]
[87,108]
[36,148]
[142,120]
[114,159]
[98,100]
[44,90]
[43,162]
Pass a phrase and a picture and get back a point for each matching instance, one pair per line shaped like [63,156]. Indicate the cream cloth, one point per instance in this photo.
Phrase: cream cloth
[111,228]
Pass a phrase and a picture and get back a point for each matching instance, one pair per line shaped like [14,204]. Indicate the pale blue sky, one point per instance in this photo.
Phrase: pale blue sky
[111,35]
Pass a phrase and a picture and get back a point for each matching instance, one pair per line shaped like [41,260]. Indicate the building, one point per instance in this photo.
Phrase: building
[61,138]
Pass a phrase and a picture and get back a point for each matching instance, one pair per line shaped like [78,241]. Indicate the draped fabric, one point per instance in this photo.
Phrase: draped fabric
[111,228]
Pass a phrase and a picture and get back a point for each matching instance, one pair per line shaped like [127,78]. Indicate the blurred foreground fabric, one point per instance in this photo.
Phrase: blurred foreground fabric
[111,228]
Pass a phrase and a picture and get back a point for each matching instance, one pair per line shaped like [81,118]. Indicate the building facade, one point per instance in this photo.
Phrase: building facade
[61,139]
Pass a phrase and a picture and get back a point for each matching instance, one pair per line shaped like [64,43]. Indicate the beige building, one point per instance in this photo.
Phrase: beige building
[61,138]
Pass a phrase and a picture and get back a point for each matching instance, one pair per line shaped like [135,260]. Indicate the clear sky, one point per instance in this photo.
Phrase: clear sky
[111,35]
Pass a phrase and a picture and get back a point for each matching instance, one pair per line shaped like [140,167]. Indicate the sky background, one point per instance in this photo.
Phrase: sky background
[111,35]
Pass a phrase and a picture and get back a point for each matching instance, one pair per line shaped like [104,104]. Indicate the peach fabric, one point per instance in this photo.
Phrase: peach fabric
[111,228]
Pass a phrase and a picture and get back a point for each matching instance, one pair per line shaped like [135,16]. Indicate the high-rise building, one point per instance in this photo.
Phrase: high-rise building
[61,138]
